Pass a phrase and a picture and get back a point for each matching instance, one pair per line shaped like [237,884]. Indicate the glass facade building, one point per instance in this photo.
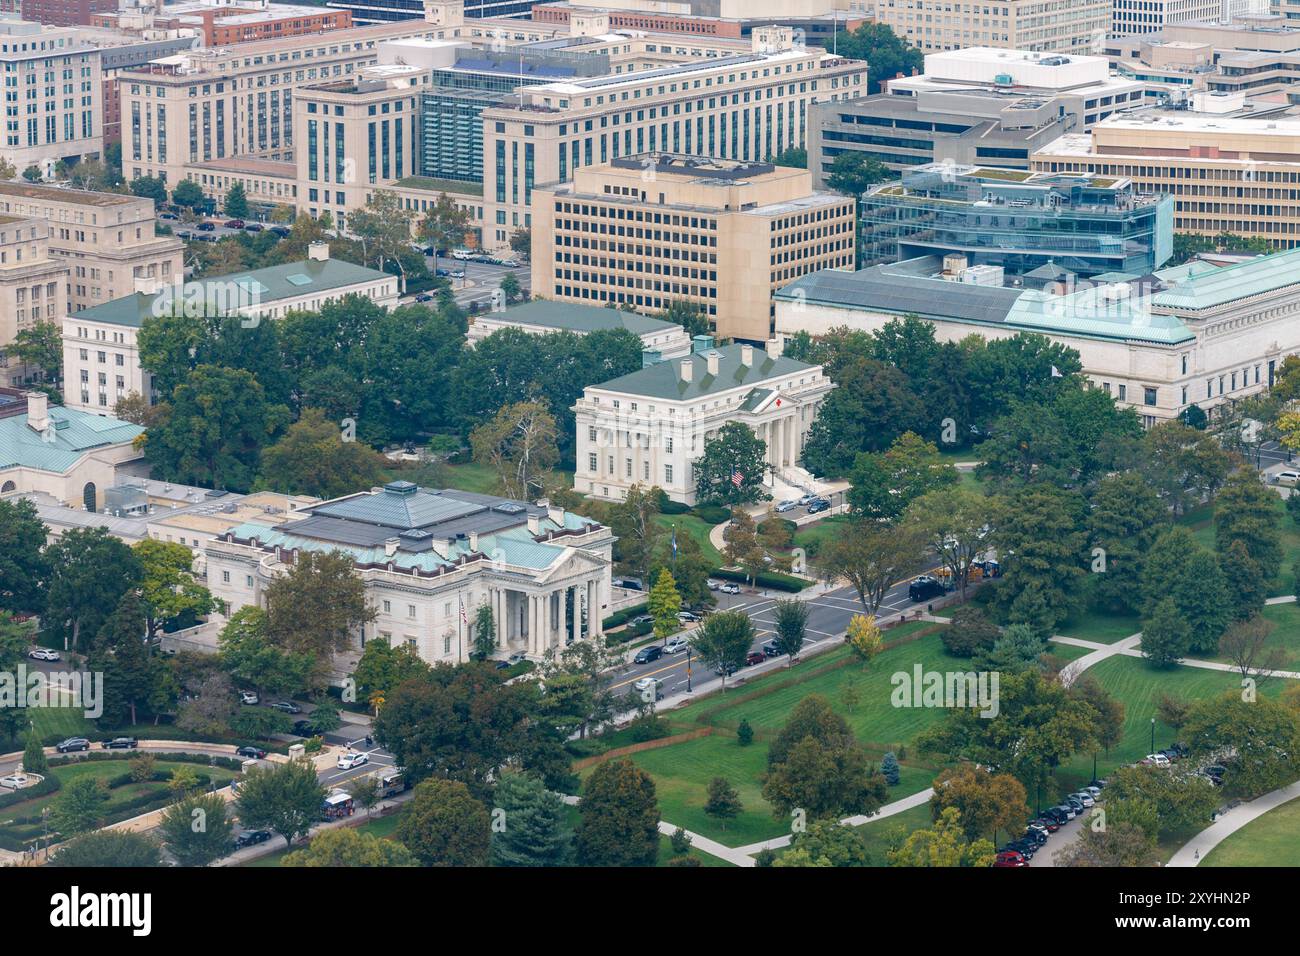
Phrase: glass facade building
[1018,220]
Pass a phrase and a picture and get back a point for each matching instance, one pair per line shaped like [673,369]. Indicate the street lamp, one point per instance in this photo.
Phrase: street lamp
[1153,735]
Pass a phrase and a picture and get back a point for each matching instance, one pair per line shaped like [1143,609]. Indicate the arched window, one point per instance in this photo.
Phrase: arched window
[8,487]
[88,496]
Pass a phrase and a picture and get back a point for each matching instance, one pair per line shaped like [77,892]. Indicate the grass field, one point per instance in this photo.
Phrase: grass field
[1271,840]
[879,835]
[1104,627]
[697,528]
[1201,523]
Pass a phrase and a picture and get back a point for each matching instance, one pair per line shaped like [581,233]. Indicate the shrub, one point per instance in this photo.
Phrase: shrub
[683,861]
[681,842]
[744,733]
[773,580]
[889,768]
[971,631]
[712,514]
[648,727]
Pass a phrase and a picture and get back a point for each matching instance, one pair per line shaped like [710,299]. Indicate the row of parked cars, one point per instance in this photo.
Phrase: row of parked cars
[1021,850]
[814,503]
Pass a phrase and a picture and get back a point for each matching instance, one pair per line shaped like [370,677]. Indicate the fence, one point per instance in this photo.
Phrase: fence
[645,745]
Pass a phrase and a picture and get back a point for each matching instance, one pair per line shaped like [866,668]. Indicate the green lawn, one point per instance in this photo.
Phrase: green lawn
[879,835]
[476,477]
[63,721]
[814,536]
[1067,652]
[1285,635]
[1103,627]
[1271,840]
[698,529]
[1201,523]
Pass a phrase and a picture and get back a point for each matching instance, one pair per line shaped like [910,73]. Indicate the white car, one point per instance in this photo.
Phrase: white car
[730,588]
[712,584]
[1084,797]
[15,781]
[687,617]
[1157,760]
[349,760]
[43,654]
[247,697]
[676,645]
[1290,478]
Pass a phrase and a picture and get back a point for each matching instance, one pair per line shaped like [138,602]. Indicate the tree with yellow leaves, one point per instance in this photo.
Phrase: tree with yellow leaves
[864,637]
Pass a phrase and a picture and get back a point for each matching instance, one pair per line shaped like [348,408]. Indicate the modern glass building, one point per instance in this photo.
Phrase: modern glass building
[1019,220]
[388,11]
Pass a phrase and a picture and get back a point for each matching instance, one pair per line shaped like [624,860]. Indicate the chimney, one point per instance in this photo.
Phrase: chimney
[747,355]
[534,525]
[712,360]
[38,411]
[390,547]
[775,347]
[318,252]
[473,540]
[686,370]
[556,514]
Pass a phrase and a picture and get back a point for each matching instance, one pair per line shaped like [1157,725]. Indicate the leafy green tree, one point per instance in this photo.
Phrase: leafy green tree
[535,831]
[520,446]
[285,798]
[345,847]
[795,157]
[1263,733]
[188,193]
[1179,569]
[619,822]
[1125,517]
[120,653]
[1041,541]
[853,172]
[1166,637]
[689,315]
[108,848]
[742,546]
[986,802]
[825,843]
[1120,844]
[872,557]
[236,205]
[665,603]
[318,457]
[511,291]
[444,224]
[1246,511]
[24,566]
[168,586]
[637,532]
[149,187]
[89,571]
[443,825]
[1181,800]
[1184,465]
[732,468]
[884,484]
[40,344]
[1246,584]
[956,523]
[383,666]
[485,631]
[723,801]
[970,632]
[723,640]
[816,765]
[873,404]
[943,845]
[887,54]
[79,807]
[253,660]
[196,829]
[318,606]
[791,618]
[383,227]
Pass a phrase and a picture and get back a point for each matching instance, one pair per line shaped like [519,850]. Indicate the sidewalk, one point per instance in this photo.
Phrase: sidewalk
[1199,846]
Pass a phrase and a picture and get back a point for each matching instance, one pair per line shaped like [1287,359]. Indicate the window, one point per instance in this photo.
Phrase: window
[668,474]
[1123,393]
[410,610]
[591,462]
[225,577]
[388,607]
[1148,396]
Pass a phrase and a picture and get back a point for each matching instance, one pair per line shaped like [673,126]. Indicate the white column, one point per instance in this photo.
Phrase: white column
[562,616]
[593,612]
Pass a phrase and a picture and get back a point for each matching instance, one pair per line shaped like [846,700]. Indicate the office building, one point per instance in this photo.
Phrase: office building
[701,18]
[648,230]
[225,22]
[1016,220]
[1148,16]
[1041,26]
[64,13]
[983,106]
[391,11]
[33,287]
[430,558]
[651,426]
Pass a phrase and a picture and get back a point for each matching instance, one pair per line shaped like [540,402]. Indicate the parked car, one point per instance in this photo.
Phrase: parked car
[248,697]
[651,652]
[254,227]
[281,231]
[206,227]
[1069,811]
[1075,804]
[1037,832]
[286,707]
[251,753]
[15,781]
[818,505]
[424,297]
[630,584]
[502,665]
[1009,858]
[807,500]
[120,743]
[1084,797]
[352,759]
[785,506]
[1048,823]
[754,657]
[642,619]
[1094,790]
[1289,478]
[925,587]
[687,617]
[43,654]
[647,684]
[72,744]
[464,255]
[234,224]
[251,838]
[771,650]
[1024,846]
[1156,760]
[676,645]
[169,216]
[728,669]
[730,587]
[712,584]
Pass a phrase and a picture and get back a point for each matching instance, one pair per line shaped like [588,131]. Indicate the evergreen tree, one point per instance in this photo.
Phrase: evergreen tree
[533,831]
[889,768]
[619,825]
[34,754]
[236,202]
[1166,636]
[723,801]
[1246,511]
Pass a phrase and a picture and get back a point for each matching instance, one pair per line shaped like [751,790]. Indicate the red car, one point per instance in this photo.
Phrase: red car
[754,657]
[1010,858]
[234,224]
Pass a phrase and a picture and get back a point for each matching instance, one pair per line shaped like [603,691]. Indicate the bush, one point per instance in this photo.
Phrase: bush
[669,507]
[764,857]
[681,841]
[971,631]
[712,514]
[744,733]
[889,768]
[788,526]
[683,861]
[619,618]
[772,580]
[648,727]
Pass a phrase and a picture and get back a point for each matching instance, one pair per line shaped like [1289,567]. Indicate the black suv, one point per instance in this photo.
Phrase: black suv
[121,743]
[924,588]
[818,505]
[651,652]
[251,838]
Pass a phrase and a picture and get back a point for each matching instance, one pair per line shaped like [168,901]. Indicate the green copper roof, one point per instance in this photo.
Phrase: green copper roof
[568,317]
[71,434]
[1099,312]
[664,379]
[223,295]
[1196,285]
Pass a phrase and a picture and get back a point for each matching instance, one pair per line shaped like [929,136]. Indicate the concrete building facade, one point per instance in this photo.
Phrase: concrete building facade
[33,287]
[1043,26]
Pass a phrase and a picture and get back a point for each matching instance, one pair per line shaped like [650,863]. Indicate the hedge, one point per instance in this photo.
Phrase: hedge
[669,507]
[619,618]
[48,785]
[203,760]
[764,579]
[168,732]
[712,514]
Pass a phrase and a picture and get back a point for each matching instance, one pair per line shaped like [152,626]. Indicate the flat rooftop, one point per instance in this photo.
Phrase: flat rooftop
[60,194]
[696,167]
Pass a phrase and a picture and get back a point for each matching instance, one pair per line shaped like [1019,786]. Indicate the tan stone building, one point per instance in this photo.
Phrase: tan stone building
[33,286]
[1044,26]
[651,229]
[108,240]
[1239,175]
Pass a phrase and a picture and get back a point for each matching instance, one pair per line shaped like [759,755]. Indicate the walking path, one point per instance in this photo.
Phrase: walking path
[888,810]
[1199,846]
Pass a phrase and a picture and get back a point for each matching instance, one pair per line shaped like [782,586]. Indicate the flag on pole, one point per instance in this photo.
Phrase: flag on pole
[737,478]
[674,541]
[1056,372]
[463,618]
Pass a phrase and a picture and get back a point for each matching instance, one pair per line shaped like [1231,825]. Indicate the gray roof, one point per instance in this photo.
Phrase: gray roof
[570,317]
[664,379]
[228,292]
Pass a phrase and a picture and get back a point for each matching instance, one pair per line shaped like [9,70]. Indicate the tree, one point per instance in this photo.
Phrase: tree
[444,225]
[443,825]
[519,445]
[511,291]
[723,640]
[825,843]
[943,845]
[853,172]
[1245,580]
[741,545]
[1246,511]
[521,242]
[873,404]
[732,468]
[1019,648]
[485,631]
[1188,245]
[213,429]
[1042,544]
[534,829]
[196,829]
[884,484]
[815,765]
[1166,638]
[108,848]
[954,522]
[664,604]
[236,202]
[872,557]
[1184,465]
[1125,517]
[120,653]
[795,157]
[1264,735]
[1120,844]
[365,792]
[188,193]
[89,572]
[1245,644]
[384,666]
[689,315]
[285,798]
[40,344]
[33,174]
[79,807]
[314,457]
[7,170]
[637,533]
[383,227]
[864,637]
[24,564]
[889,768]
[619,817]
[970,632]
[168,587]
[1181,801]
[791,618]
[351,848]
[744,733]
[149,187]
[985,802]
[34,755]
[887,54]
[318,606]
[723,801]
[253,660]
[1179,569]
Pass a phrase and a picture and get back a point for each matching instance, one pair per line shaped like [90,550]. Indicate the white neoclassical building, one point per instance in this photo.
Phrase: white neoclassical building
[650,427]
[430,558]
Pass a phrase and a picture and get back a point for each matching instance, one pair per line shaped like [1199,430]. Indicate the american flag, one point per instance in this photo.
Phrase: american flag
[737,478]
[463,618]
